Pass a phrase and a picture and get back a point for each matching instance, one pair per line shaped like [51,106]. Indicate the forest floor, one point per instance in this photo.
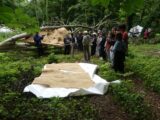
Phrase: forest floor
[150,97]
[107,107]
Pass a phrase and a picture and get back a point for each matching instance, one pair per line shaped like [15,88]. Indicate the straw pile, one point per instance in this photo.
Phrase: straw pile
[52,37]
[64,75]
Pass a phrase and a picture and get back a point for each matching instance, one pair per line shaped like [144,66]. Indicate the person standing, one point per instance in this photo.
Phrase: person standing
[102,47]
[122,29]
[67,47]
[79,41]
[94,44]
[73,40]
[37,40]
[86,46]
[119,53]
[99,39]
[146,34]
[108,45]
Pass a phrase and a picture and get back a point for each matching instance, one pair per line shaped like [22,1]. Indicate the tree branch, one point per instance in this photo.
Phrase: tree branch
[66,26]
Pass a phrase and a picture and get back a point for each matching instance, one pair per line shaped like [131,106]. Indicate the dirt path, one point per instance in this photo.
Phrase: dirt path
[150,97]
[108,109]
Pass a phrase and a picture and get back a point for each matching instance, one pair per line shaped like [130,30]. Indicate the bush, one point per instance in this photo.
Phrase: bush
[107,73]
[18,70]
[52,58]
[132,102]
[147,68]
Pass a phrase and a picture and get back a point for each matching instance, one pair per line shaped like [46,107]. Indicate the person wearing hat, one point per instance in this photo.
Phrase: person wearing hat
[86,46]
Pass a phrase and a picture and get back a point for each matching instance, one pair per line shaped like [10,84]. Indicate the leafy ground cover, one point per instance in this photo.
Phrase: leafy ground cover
[122,102]
[18,69]
[132,101]
[145,63]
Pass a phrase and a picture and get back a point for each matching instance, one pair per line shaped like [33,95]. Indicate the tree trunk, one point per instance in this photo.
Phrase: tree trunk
[12,40]
[66,26]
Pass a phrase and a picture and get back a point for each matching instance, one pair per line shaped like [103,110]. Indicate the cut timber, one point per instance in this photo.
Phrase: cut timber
[12,40]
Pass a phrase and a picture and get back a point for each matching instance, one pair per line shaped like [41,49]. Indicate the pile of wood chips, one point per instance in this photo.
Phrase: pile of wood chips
[52,37]
[64,75]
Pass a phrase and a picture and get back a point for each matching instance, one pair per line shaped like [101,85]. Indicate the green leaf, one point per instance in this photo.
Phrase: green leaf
[104,3]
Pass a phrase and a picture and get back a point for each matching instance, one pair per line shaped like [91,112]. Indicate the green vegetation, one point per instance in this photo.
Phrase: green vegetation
[132,102]
[145,63]
[18,69]
[124,94]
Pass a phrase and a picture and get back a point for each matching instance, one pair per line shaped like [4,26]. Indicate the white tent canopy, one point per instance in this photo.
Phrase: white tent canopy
[5,30]
[135,31]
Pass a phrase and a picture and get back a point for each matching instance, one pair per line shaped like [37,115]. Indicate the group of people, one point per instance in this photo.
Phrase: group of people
[111,46]
[116,47]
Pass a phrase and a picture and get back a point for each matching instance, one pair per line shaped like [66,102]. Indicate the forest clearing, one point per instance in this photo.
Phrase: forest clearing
[23,59]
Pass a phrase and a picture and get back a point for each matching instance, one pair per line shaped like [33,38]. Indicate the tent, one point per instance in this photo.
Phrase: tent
[5,30]
[135,31]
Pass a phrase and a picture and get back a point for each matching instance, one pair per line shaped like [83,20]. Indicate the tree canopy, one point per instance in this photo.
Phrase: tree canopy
[28,15]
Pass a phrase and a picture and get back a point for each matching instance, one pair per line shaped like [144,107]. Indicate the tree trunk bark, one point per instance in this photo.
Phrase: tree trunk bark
[12,40]
[66,26]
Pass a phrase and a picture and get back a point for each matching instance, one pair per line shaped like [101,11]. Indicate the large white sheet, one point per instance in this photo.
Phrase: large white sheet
[100,86]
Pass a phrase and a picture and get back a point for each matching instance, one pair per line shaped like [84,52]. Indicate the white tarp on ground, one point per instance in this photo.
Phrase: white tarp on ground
[135,31]
[99,87]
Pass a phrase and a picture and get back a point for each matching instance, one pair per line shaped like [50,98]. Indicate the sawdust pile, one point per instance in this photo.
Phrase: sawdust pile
[64,75]
[53,37]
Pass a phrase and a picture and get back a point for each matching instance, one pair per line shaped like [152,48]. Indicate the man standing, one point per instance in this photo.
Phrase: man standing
[119,54]
[86,46]
[37,39]
[122,29]
[79,41]
[67,46]
[94,44]
[102,47]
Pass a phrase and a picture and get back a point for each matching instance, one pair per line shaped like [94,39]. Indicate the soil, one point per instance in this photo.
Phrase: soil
[150,97]
[108,109]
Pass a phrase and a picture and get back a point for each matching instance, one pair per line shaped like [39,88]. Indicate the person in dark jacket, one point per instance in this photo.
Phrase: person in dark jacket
[37,39]
[102,47]
[67,46]
[122,29]
[94,44]
[119,54]
[79,41]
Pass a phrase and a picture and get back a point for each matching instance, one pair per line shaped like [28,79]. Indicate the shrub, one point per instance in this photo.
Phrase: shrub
[132,102]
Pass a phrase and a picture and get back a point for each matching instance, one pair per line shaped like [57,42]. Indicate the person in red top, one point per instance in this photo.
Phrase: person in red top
[122,29]
[146,34]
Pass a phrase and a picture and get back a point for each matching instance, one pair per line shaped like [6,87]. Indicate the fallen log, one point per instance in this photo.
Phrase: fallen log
[65,26]
[12,40]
